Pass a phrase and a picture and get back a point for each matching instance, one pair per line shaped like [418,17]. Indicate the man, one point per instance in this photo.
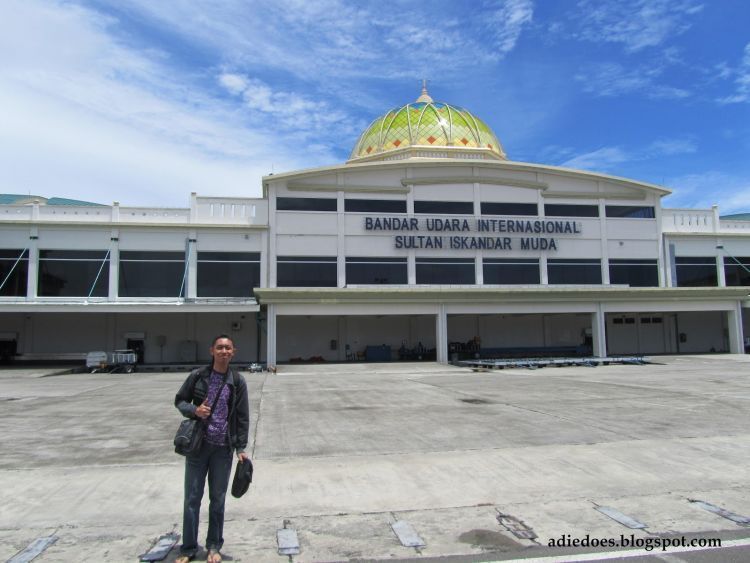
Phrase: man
[225,429]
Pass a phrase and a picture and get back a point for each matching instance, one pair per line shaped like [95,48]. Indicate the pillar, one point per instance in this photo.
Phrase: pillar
[271,336]
[598,333]
[441,342]
[734,328]
[114,265]
[191,283]
[32,279]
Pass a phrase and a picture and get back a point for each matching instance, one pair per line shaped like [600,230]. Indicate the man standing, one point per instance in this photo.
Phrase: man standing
[225,429]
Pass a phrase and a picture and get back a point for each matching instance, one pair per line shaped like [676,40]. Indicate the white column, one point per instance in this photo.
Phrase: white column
[192,258]
[264,260]
[114,265]
[441,327]
[661,263]
[411,261]
[604,242]
[271,238]
[598,332]
[479,256]
[721,277]
[543,277]
[32,277]
[271,335]
[734,326]
[341,239]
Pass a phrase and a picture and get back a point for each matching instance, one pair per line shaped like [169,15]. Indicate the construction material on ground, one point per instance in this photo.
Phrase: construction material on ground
[536,363]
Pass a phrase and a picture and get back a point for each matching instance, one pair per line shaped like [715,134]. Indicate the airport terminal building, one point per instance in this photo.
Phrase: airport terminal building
[428,243]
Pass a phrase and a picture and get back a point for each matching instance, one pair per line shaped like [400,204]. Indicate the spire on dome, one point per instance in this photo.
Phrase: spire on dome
[425,97]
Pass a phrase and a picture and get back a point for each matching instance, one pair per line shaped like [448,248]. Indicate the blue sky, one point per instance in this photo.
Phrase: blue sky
[144,101]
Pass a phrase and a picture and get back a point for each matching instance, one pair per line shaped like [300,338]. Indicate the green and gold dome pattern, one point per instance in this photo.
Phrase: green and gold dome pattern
[427,124]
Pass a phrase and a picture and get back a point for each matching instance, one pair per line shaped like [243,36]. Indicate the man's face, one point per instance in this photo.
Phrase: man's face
[222,350]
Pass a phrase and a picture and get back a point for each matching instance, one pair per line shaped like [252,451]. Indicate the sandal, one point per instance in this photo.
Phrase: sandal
[183,559]
[213,556]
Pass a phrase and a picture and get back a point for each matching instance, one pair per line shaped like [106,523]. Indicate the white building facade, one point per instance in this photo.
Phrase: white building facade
[427,244]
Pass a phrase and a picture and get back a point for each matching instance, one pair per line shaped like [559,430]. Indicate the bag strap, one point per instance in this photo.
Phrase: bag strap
[221,390]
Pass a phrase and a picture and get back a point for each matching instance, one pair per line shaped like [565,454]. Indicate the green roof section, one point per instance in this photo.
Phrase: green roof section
[427,124]
[737,217]
[76,202]
[28,199]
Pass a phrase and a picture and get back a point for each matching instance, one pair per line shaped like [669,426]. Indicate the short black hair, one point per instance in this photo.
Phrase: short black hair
[219,337]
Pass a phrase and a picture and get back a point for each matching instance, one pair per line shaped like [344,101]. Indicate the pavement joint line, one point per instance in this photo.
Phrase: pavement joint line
[623,554]
[514,406]
[259,410]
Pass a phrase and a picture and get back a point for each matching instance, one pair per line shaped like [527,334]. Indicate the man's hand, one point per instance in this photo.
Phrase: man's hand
[242,456]
[203,411]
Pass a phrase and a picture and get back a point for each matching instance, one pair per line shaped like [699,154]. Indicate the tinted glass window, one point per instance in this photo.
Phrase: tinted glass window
[737,270]
[228,274]
[367,271]
[151,274]
[574,271]
[570,210]
[510,271]
[306,271]
[635,273]
[305,204]
[696,271]
[630,211]
[493,208]
[444,207]
[375,205]
[14,269]
[73,273]
[445,271]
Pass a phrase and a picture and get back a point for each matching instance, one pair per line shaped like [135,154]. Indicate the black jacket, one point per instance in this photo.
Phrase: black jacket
[194,391]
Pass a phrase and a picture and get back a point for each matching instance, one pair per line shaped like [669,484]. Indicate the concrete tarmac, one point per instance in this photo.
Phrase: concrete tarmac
[481,466]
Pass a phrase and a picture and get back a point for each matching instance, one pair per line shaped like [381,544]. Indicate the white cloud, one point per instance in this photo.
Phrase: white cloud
[234,83]
[609,158]
[742,80]
[702,190]
[666,147]
[329,41]
[636,25]
[506,21]
[94,119]
[599,159]
[612,79]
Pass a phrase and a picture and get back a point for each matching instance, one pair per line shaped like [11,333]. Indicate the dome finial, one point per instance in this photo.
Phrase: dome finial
[425,97]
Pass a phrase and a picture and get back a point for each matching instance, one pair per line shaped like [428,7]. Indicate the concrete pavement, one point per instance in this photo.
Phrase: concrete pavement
[342,451]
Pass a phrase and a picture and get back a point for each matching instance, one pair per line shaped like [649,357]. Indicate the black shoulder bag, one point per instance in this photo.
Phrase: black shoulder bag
[189,436]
